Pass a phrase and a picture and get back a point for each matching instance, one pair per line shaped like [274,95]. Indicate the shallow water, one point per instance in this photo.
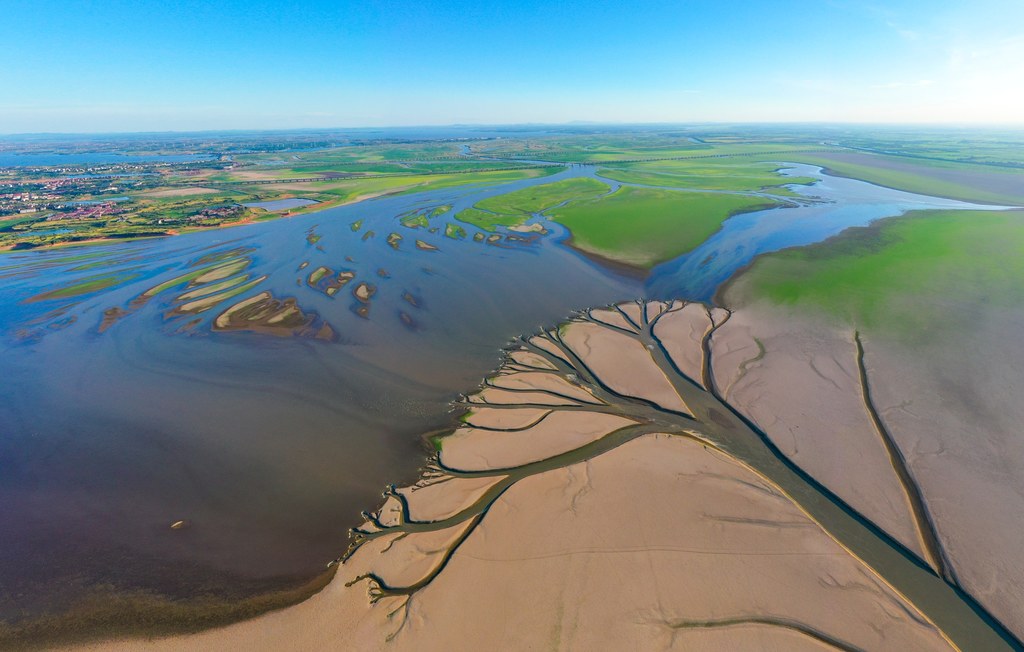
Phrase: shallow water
[268,446]
[843,203]
[123,412]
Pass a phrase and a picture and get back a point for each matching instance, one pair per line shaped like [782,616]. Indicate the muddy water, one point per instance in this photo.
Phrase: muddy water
[124,412]
[266,446]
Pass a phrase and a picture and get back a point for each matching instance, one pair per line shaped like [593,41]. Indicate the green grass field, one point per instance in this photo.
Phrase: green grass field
[598,149]
[349,189]
[487,221]
[541,198]
[13,221]
[93,284]
[304,170]
[518,206]
[355,154]
[971,165]
[731,175]
[900,274]
[642,227]
[963,181]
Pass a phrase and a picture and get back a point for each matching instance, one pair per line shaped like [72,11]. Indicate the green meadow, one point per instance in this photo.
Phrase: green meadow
[737,175]
[900,274]
[964,181]
[642,227]
[518,206]
[342,190]
[598,149]
[302,170]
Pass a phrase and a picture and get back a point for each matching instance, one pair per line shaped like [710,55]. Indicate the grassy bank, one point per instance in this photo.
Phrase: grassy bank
[145,215]
[963,181]
[899,274]
[518,206]
[733,175]
[642,227]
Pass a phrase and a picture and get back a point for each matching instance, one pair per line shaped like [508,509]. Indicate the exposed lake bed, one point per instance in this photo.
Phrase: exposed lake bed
[269,447]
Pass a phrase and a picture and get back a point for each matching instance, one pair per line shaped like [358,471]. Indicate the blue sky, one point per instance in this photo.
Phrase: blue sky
[128,65]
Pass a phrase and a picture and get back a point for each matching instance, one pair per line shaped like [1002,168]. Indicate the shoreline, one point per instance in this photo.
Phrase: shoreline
[850,233]
[639,272]
[143,616]
[151,617]
[718,296]
[320,206]
[833,173]
[532,427]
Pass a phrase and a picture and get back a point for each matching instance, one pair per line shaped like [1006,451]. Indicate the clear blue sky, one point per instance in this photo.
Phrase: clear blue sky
[127,65]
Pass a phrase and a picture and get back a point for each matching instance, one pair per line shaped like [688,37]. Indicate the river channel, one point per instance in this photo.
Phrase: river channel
[123,414]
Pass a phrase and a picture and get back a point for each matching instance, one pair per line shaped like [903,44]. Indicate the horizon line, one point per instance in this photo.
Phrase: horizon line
[573,123]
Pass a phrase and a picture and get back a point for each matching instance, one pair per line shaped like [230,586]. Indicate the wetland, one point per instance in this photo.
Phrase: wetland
[231,400]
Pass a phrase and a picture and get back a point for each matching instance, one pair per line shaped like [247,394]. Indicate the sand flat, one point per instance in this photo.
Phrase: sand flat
[542,381]
[955,408]
[681,531]
[682,332]
[637,539]
[622,363]
[506,397]
[619,552]
[611,317]
[475,449]
[484,417]
[804,394]
[439,500]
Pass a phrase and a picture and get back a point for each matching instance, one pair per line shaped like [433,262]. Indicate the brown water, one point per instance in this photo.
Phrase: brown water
[268,447]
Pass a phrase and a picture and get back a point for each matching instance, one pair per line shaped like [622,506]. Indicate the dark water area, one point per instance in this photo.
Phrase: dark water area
[128,405]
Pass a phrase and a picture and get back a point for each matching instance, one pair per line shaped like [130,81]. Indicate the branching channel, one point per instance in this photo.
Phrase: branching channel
[556,374]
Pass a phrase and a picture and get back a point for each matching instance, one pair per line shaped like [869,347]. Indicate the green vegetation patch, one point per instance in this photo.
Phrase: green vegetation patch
[454,231]
[205,303]
[488,221]
[538,199]
[642,227]
[7,223]
[440,210]
[199,276]
[346,190]
[416,221]
[518,206]
[900,274]
[213,288]
[732,175]
[966,182]
[638,146]
[87,286]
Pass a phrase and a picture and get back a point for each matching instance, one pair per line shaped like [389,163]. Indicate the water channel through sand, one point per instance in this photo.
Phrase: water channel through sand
[266,447]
